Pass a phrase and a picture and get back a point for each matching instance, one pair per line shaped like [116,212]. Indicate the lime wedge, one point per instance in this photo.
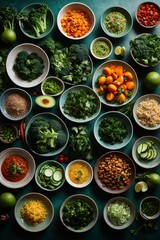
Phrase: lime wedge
[117,50]
[123,51]
[141,186]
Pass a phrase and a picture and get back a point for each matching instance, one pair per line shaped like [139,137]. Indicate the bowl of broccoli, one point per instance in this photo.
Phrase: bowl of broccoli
[36,20]
[27,65]
[46,134]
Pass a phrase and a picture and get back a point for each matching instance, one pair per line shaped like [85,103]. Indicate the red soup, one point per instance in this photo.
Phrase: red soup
[14,168]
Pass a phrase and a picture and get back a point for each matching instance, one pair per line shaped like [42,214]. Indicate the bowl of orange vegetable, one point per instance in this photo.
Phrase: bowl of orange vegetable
[116,83]
[76,20]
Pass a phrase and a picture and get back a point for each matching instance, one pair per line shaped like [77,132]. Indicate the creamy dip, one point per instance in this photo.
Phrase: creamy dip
[115,22]
[78,173]
[101,49]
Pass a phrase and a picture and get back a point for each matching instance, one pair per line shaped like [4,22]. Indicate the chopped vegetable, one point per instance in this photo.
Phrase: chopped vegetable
[52,86]
[3,74]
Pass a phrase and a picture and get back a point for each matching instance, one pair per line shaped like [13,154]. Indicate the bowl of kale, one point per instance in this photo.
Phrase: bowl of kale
[27,65]
[46,134]
[145,49]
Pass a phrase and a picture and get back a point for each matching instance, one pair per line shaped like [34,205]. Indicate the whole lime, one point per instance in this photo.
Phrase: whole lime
[152,80]
[7,200]
[153,179]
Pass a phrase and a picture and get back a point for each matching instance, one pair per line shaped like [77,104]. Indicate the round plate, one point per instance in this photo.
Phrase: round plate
[99,71]
[29,48]
[34,196]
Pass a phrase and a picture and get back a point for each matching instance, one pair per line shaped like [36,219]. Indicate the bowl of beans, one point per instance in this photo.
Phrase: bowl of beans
[76,20]
[8,133]
[114,172]
[148,14]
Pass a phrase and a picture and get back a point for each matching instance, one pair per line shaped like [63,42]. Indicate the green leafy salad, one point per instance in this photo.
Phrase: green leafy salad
[119,212]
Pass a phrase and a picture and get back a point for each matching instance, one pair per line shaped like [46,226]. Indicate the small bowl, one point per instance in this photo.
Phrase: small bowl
[119,200]
[76,6]
[12,98]
[29,48]
[50,175]
[10,129]
[86,199]
[57,86]
[33,196]
[101,48]
[143,162]
[49,21]
[75,89]
[79,173]
[148,7]
[125,121]
[46,116]
[31,167]
[130,166]
[99,71]
[146,202]
[143,123]
[125,13]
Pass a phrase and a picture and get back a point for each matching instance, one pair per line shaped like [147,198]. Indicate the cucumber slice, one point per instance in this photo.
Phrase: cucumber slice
[57,176]
[144,147]
[48,172]
[149,143]
[139,148]
[155,153]
[143,155]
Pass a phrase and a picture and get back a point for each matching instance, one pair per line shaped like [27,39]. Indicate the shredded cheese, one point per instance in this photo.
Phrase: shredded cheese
[34,212]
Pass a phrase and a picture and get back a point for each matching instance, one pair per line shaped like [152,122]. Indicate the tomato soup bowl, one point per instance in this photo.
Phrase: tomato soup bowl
[17,167]
[79,173]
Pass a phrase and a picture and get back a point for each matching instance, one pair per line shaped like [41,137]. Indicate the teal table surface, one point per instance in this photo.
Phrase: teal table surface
[100,231]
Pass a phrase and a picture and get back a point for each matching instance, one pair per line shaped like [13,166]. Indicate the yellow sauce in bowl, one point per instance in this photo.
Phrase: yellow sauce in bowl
[78,173]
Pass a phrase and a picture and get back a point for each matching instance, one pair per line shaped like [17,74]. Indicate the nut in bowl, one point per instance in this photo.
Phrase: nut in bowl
[150,208]
[79,173]
[101,48]
[116,22]
[146,111]
[52,86]
[29,219]
[16,104]
[50,175]
[115,82]
[8,133]
[17,167]
[148,14]
[79,213]
[80,16]
[119,213]
[114,172]
[113,130]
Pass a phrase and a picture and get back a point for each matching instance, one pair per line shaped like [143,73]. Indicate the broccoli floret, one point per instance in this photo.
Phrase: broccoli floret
[78,52]
[35,21]
[42,148]
[61,138]
[55,125]
[50,46]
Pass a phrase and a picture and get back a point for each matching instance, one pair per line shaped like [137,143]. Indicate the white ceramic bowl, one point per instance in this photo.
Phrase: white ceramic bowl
[52,80]
[11,112]
[33,196]
[81,170]
[31,167]
[76,6]
[74,104]
[130,219]
[101,48]
[86,199]
[144,163]
[29,48]
[146,201]
[146,112]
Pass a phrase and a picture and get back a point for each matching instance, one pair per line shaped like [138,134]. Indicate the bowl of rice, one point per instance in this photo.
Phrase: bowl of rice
[15,104]
[146,111]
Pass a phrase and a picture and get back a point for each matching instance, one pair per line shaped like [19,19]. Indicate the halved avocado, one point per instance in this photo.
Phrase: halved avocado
[45,101]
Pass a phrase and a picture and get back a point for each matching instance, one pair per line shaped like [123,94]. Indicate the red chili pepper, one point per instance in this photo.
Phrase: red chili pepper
[22,129]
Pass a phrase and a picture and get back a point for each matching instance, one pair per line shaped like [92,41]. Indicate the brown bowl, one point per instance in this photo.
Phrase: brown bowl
[109,170]
[8,133]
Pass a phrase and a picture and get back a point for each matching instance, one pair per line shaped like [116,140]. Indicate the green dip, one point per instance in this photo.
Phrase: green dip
[150,207]
[101,49]
[115,22]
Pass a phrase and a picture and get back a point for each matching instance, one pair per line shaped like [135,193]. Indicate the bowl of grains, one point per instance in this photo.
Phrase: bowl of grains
[16,104]
[146,111]
[114,172]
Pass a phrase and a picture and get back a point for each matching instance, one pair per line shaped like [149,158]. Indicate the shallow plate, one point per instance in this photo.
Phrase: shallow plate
[99,71]
[31,162]
[146,163]
[34,196]
[29,48]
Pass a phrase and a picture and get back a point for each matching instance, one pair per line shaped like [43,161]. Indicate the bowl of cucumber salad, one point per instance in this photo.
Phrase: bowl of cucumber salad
[50,175]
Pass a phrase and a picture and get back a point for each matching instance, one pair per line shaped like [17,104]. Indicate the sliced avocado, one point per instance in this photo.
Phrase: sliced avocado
[45,101]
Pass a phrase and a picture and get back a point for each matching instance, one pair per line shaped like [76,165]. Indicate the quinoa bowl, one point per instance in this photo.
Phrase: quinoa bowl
[16,104]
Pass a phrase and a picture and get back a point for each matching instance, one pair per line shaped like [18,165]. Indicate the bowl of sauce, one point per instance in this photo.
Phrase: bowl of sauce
[101,48]
[79,173]
[150,207]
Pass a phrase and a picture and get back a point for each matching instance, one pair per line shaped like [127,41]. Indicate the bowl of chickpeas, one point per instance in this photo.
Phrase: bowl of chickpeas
[114,172]
[76,20]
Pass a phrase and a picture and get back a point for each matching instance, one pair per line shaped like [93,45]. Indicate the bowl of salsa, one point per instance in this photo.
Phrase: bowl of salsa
[17,167]
[101,48]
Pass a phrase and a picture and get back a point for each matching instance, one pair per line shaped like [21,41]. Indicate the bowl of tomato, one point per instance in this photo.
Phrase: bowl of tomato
[148,14]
